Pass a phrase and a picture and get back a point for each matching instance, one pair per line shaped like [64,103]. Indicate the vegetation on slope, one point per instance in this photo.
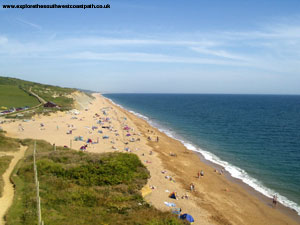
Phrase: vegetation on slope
[4,163]
[8,144]
[16,93]
[83,188]
[17,97]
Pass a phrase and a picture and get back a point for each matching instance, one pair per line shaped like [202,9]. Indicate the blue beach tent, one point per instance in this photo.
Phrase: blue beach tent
[187,217]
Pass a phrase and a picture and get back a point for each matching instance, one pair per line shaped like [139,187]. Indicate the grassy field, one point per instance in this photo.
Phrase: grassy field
[58,95]
[4,163]
[13,96]
[83,188]
[8,144]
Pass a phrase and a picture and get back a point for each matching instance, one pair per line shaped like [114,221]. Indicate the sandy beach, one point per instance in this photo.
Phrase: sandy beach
[217,199]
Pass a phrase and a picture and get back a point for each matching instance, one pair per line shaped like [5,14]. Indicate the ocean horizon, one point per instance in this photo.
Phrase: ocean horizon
[254,137]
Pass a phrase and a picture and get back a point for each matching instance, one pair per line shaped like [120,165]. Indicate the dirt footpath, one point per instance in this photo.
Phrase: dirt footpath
[8,189]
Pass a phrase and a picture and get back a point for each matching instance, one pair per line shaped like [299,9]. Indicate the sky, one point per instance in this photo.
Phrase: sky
[170,46]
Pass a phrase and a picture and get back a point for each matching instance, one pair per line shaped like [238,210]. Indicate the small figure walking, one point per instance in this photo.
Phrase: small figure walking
[192,187]
[275,200]
[202,173]
[21,127]
[157,139]
[198,175]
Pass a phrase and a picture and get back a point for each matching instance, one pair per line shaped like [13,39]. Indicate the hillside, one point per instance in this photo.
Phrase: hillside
[16,93]
[13,96]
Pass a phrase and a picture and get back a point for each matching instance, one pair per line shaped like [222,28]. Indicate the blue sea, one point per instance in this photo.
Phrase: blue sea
[255,137]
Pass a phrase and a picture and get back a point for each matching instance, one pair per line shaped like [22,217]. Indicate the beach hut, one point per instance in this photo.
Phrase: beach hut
[50,105]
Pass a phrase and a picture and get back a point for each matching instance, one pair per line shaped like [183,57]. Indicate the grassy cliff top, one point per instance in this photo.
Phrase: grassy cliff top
[83,188]
[16,93]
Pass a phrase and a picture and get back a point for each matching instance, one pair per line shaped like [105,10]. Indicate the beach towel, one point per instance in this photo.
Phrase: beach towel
[176,211]
[170,204]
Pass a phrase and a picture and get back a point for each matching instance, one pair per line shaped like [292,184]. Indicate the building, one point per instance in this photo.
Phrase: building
[50,105]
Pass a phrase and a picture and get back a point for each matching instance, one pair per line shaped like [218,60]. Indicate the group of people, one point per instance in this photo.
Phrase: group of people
[200,174]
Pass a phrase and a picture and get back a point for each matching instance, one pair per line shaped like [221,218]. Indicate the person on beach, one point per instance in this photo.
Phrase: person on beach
[202,173]
[157,139]
[198,175]
[185,196]
[275,200]
[192,186]
[21,127]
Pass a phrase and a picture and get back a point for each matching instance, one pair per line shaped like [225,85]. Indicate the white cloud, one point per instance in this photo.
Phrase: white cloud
[218,53]
[99,41]
[3,40]
[145,57]
[30,24]
[275,48]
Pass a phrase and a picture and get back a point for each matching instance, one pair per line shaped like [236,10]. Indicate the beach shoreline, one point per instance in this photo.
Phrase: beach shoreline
[218,166]
[266,200]
[217,199]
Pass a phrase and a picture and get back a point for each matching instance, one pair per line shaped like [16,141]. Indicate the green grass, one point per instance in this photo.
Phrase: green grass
[55,94]
[4,163]
[13,93]
[8,144]
[83,188]
[13,96]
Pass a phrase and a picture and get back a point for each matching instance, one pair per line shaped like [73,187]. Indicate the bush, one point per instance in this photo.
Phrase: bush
[83,188]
